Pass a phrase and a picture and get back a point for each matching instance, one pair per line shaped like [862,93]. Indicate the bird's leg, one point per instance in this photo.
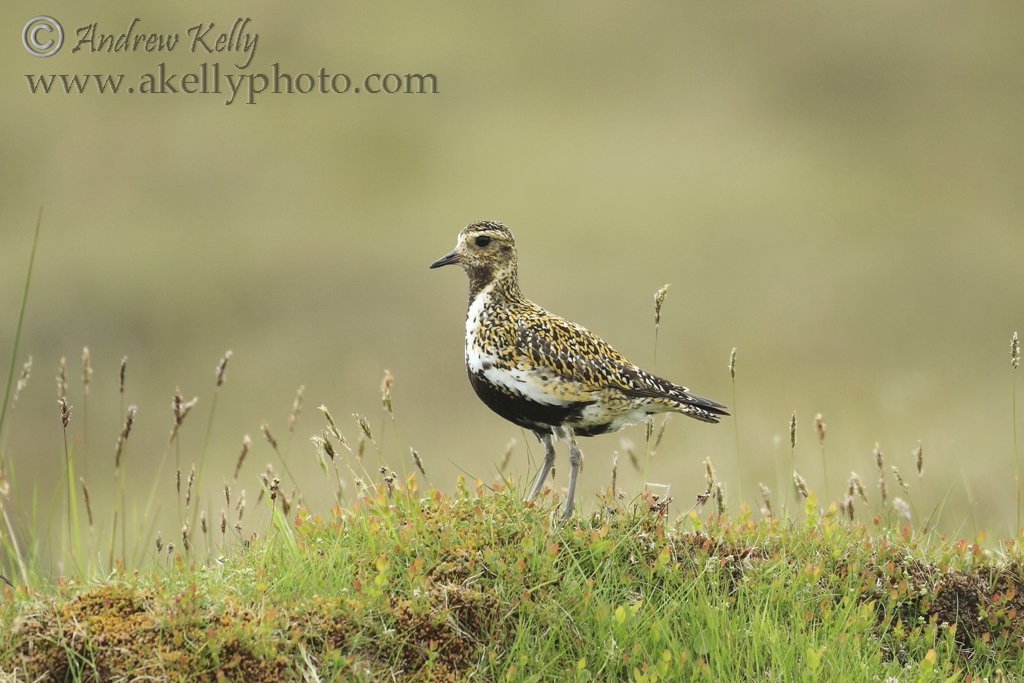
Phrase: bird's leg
[545,468]
[575,462]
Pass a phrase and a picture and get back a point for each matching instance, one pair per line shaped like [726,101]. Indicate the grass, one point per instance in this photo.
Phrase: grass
[401,585]
[391,582]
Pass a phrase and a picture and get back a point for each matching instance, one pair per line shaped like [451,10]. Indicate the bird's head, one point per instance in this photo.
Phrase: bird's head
[485,250]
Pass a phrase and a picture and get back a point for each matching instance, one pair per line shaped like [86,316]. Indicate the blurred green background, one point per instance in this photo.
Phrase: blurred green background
[833,190]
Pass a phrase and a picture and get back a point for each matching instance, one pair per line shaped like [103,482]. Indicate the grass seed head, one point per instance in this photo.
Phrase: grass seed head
[86,370]
[23,377]
[766,501]
[364,425]
[227,493]
[418,460]
[186,537]
[901,507]
[296,408]
[820,428]
[222,367]
[847,507]
[732,363]
[246,444]
[122,438]
[65,412]
[223,521]
[265,430]
[659,301]
[879,458]
[709,473]
[919,459]
[122,374]
[1015,351]
[62,378]
[159,542]
[792,430]
[88,501]
[385,392]
[882,490]
[509,447]
[857,486]
[615,472]
[181,408]
[202,521]
[799,484]
[661,433]
[188,489]
[719,495]
[899,479]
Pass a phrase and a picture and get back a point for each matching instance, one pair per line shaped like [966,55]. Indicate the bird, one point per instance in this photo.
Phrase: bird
[545,373]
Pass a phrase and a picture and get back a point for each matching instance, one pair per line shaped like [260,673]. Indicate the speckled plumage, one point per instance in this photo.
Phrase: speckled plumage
[543,372]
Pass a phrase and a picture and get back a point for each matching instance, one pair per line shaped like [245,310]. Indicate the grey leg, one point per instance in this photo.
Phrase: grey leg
[545,468]
[575,462]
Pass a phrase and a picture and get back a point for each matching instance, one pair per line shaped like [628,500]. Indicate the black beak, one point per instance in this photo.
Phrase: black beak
[446,260]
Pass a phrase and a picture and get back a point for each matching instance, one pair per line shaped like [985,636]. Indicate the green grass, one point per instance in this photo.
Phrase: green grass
[479,586]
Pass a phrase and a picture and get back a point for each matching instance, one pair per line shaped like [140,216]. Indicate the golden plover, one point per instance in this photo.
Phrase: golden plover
[543,372]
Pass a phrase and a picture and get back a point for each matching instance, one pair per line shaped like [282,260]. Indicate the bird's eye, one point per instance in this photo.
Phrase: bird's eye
[483,240]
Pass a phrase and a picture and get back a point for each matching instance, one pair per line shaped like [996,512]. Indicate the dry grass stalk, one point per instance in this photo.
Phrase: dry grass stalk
[766,501]
[846,506]
[627,446]
[181,409]
[719,495]
[222,367]
[899,479]
[296,408]
[86,370]
[88,501]
[659,301]
[661,434]
[857,486]
[265,430]
[122,438]
[62,378]
[23,377]
[188,488]
[901,507]
[364,426]
[509,447]
[65,412]
[246,444]
[418,460]
[385,392]
[800,484]
[615,473]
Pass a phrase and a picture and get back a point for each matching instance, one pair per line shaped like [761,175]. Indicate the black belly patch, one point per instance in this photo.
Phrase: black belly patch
[516,408]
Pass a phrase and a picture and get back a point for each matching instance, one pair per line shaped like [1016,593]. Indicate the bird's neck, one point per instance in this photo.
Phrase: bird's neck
[503,286]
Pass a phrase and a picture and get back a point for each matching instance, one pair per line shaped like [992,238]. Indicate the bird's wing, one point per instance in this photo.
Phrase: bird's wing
[580,358]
